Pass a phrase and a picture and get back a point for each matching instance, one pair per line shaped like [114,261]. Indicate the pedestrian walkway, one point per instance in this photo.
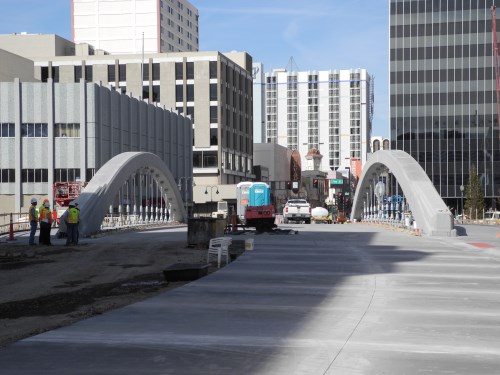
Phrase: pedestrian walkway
[332,299]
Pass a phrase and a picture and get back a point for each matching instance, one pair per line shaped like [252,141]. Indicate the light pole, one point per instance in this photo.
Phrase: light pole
[462,201]
[211,187]
[185,188]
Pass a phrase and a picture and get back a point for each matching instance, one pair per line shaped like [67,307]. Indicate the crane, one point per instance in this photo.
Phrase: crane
[495,51]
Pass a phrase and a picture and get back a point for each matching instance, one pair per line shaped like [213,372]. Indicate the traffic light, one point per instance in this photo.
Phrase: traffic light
[347,203]
[340,201]
[315,183]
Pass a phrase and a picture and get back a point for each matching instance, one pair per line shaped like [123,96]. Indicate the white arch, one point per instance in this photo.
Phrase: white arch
[102,189]
[428,209]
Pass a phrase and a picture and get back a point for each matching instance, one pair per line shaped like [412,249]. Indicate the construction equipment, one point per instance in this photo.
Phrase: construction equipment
[64,193]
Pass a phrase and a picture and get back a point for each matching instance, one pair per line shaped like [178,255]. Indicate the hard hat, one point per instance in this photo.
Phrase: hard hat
[46,201]
[33,200]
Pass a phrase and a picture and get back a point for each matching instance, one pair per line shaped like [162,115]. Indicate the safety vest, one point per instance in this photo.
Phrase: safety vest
[33,213]
[45,215]
[73,214]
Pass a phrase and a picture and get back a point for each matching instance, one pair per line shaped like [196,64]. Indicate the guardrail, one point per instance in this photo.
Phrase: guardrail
[20,221]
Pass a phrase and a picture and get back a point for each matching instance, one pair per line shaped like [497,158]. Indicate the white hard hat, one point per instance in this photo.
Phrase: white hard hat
[33,200]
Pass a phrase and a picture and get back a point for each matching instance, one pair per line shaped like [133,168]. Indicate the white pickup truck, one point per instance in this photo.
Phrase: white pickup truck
[297,210]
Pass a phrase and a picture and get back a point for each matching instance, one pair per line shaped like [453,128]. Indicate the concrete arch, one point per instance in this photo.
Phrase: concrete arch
[102,189]
[430,212]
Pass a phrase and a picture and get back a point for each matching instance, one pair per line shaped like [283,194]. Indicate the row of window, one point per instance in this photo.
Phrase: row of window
[42,175]
[39,130]
[443,75]
[428,123]
[422,6]
[443,98]
[441,28]
[442,52]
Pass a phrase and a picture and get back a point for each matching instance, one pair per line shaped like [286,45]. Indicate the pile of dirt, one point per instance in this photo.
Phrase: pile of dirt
[55,286]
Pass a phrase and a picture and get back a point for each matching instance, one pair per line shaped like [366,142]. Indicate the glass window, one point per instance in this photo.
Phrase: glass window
[213,91]
[213,115]
[179,93]
[197,157]
[44,73]
[213,69]
[190,70]
[88,73]
[156,93]
[78,73]
[122,72]
[145,72]
[190,93]
[179,71]
[209,159]
[213,137]
[111,73]
[156,71]
[7,175]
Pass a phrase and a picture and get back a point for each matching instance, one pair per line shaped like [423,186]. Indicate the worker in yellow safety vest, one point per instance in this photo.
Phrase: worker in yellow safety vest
[72,219]
[45,219]
[33,217]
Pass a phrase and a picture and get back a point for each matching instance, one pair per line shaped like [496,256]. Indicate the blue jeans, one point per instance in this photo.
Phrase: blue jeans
[34,227]
[72,231]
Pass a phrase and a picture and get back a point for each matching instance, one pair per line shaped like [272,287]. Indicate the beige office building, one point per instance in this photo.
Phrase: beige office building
[213,88]
[136,26]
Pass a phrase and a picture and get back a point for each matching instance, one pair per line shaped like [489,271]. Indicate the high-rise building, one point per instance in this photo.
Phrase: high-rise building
[442,92]
[330,111]
[136,26]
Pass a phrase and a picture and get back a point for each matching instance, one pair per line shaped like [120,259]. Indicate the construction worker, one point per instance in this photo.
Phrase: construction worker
[33,216]
[72,223]
[45,218]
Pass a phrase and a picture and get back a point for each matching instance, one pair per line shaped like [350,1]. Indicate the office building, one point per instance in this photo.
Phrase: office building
[213,88]
[64,132]
[443,108]
[330,111]
[136,26]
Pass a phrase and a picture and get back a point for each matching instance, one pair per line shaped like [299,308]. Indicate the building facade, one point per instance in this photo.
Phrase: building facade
[136,26]
[442,92]
[60,132]
[330,111]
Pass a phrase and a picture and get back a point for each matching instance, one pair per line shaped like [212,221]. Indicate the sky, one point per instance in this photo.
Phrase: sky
[317,34]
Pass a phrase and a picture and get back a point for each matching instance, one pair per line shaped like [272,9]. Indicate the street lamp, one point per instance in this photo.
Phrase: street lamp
[462,201]
[184,187]
[211,191]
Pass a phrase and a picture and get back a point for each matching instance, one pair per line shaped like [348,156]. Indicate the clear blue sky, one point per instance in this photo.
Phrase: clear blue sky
[319,34]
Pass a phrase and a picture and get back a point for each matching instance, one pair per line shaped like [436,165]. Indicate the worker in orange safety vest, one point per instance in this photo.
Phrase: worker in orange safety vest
[45,219]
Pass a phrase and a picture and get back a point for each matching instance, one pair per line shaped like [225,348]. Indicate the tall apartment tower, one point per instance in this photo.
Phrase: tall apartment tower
[136,26]
[330,111]
[442,92]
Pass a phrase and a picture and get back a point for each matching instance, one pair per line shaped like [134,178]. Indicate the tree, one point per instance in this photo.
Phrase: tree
[474,198]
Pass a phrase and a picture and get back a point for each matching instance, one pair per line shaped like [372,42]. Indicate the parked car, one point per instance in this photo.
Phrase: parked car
[297,210]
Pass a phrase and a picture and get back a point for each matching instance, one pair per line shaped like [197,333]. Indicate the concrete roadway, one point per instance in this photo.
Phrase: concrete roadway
[332,299]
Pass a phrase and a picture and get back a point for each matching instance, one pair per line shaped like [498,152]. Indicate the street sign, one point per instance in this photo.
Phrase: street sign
[338,181]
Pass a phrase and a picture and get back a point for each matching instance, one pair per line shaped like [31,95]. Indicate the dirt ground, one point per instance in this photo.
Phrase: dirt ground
[46,287]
